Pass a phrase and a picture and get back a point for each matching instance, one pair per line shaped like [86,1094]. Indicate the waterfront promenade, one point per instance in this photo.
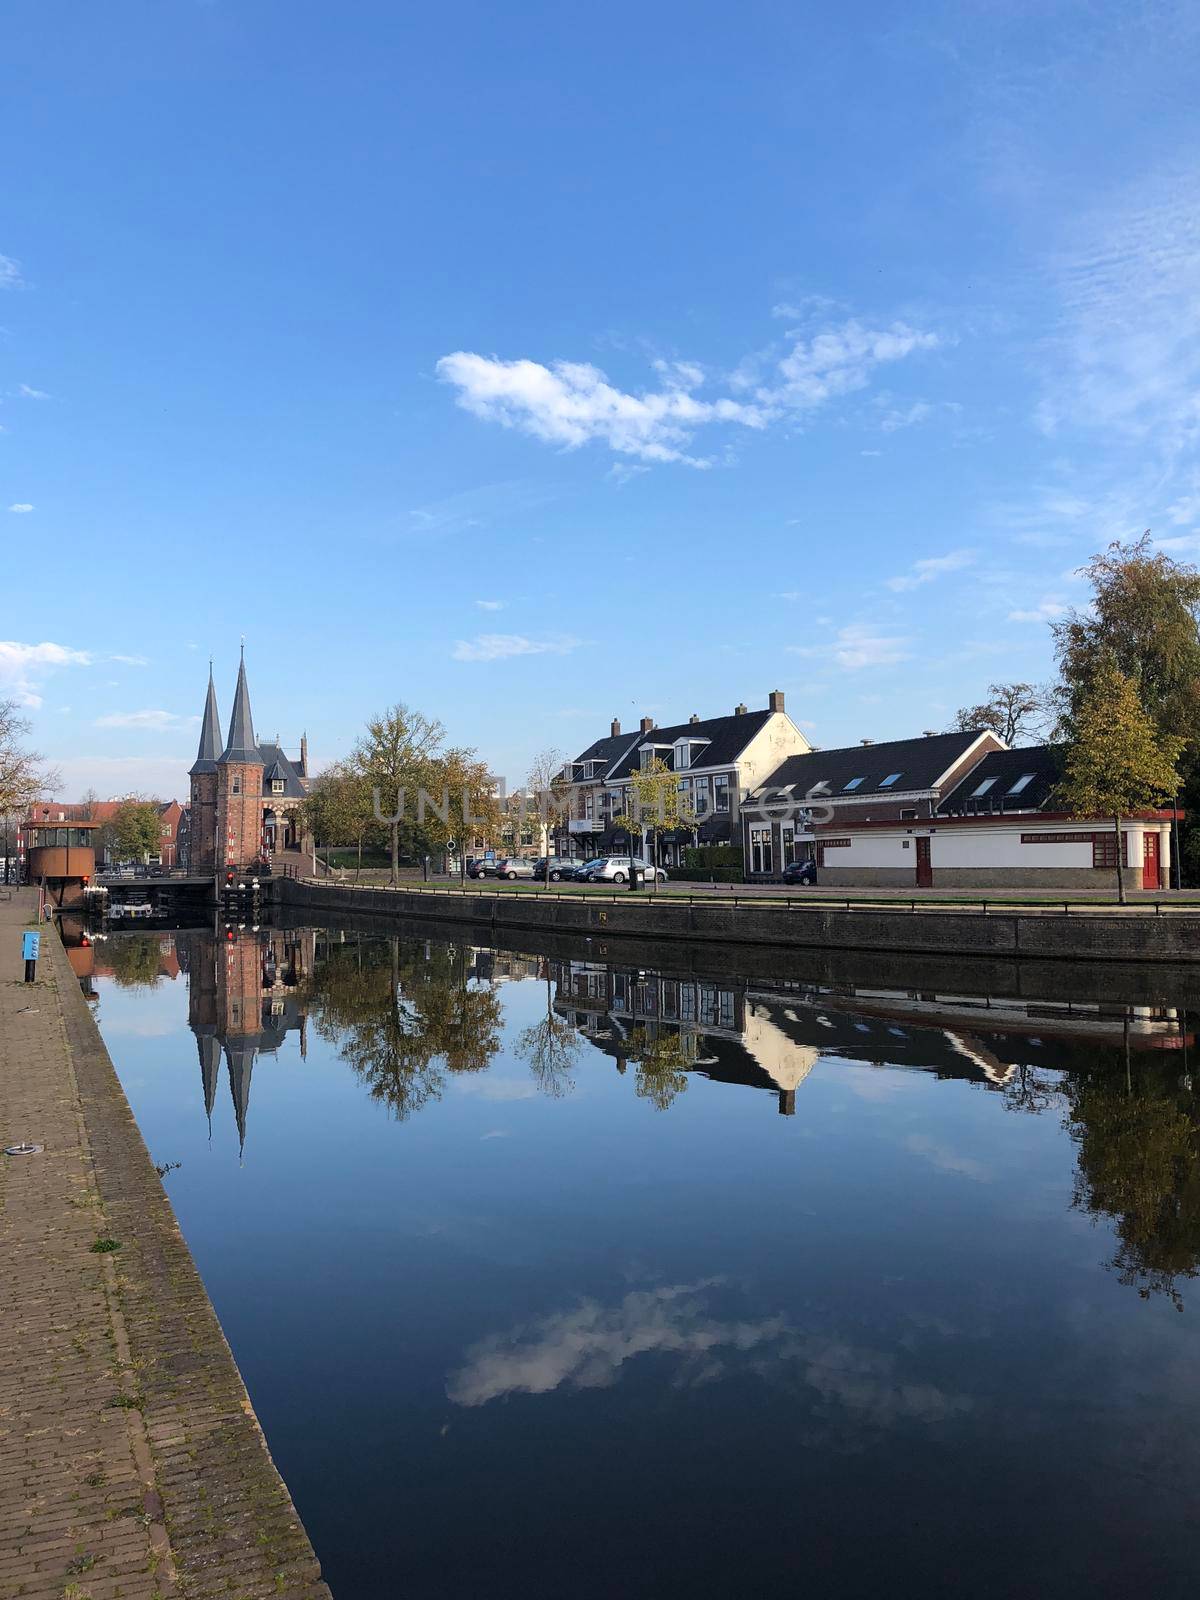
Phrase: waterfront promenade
[131,1463]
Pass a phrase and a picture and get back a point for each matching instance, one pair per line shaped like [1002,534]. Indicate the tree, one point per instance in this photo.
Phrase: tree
[551,1048]
[397,754]
[546,782]
[1117,761]
[1144,615]
[660,1063]
[135,829]
[23,775]
[1015,712]
[657,806]
[337,810]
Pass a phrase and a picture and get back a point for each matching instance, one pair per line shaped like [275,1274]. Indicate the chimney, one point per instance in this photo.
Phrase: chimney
[739,711]
[614,728]
[304,755]
[646,724]
[866,741]
[693,717]
[930,733]
[775,700]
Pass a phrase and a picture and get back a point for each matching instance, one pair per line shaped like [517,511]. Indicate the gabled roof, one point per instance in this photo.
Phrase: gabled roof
[919,765]
[607,750]
[241,745]
[727,737]
[1000,771]
[278,767]
[210,733]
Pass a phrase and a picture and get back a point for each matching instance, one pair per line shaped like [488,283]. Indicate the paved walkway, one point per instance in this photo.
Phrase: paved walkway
[131,1463]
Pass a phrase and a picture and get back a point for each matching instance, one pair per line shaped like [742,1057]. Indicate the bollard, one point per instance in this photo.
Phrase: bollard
[30,949]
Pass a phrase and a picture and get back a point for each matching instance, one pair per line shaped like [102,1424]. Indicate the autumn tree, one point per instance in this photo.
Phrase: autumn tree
[24,777]
[1015,712]
[551,1047]
[1116,761]
[338,810]
[134,831]
[660,1062]
[657,805]
[396,756]
[546,783]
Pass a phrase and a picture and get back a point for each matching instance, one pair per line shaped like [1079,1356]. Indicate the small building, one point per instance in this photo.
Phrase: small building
[60,859]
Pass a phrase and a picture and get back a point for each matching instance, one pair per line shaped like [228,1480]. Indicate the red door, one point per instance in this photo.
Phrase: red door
[924,865]
[1150,873]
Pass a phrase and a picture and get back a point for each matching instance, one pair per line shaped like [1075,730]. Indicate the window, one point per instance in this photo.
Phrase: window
[892,777]
[909,815]
[1104,850]
[277,785]
[721,791]
[683,756]
[760,850]
[645,757]
[853,784]
[237,785]
[983,788]
[1023,782]
[788,845]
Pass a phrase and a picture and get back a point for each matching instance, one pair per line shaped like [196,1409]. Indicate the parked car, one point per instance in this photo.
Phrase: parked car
[577,871]
[560,867]
[511,867]
[480,866]
[800,872]
[615,869]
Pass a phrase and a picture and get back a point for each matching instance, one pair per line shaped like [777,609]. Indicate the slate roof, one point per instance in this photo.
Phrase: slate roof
[607,750]
[277,765]
[919,762]
[1007,767]
[210,733]
[241,746]
[727,736]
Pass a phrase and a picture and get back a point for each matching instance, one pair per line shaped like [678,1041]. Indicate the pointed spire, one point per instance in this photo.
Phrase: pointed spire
[210,732]
[241,745]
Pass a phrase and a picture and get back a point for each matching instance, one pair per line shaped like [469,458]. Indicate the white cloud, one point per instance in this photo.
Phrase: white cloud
[10,273]
[502,646]
[20,507]
[859,645]
[132,661]
[573,403]
[154,720]
[1044,611]
[623,472]
[31,394]
[490,605]
[23,666]
[894,419]
[932,567]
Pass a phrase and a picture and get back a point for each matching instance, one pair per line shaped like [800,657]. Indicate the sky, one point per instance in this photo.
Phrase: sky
[539,364]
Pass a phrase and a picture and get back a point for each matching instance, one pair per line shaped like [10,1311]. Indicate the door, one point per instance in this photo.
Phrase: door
[1150,873]
[924,865]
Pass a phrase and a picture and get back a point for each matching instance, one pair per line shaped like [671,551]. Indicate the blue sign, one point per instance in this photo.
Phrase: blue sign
[30,945]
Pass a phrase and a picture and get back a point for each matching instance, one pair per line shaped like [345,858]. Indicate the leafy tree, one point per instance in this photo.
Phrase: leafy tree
[657,806]
[1117,761]
[135,829]
[398,752]
[1144,615]
[1139,1163]
[551,1048]
[338,810]
[660,1062]
[134,960]
[1014,711]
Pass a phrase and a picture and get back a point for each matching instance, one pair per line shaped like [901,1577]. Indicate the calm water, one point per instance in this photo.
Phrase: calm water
[570,1279]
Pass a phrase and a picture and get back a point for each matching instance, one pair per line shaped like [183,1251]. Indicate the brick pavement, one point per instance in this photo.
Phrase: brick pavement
[131,1463]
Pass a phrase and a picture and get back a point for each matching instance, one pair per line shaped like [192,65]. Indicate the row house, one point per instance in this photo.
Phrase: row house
[952,811]
[172,826]
[719,762]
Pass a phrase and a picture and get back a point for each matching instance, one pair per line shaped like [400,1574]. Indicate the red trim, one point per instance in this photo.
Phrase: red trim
[1022,819]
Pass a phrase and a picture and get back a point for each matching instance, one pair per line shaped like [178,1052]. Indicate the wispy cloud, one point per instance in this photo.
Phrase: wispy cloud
[132,661]
[571,404]
[859,645]
[503,646]
[152,720]
[1044,611]
[24,666]
[31,394]
[21,507]
[932,567]
[10,273]
[490,605]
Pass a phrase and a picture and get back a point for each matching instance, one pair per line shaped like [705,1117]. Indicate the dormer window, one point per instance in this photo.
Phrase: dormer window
[277,785]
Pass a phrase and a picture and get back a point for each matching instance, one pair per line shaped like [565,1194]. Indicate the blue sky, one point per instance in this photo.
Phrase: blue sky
[539,364]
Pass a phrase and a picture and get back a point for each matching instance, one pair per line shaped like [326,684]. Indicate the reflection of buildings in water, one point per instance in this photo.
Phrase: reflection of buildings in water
[243,1003]
[772,1039]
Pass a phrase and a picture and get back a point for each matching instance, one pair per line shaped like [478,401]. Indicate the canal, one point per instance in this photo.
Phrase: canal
[553,1275]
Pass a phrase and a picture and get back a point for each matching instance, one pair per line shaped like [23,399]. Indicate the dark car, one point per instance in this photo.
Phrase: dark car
[800,872]
[560,867]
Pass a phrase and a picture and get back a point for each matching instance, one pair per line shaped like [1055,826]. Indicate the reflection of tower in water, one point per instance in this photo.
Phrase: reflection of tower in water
[242,1003]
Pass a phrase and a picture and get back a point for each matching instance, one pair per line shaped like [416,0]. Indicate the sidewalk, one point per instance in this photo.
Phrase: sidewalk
[131,1464]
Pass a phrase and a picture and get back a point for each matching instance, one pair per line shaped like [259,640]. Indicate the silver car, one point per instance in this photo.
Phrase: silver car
[615,869]
[511,867]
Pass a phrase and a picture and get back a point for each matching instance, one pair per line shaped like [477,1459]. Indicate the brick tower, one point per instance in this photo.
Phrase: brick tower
[239,786]
[203,837]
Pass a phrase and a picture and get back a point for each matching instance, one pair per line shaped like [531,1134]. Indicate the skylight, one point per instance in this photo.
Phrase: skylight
[1023,782]
[890,780]
[853,784]
[983,788]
